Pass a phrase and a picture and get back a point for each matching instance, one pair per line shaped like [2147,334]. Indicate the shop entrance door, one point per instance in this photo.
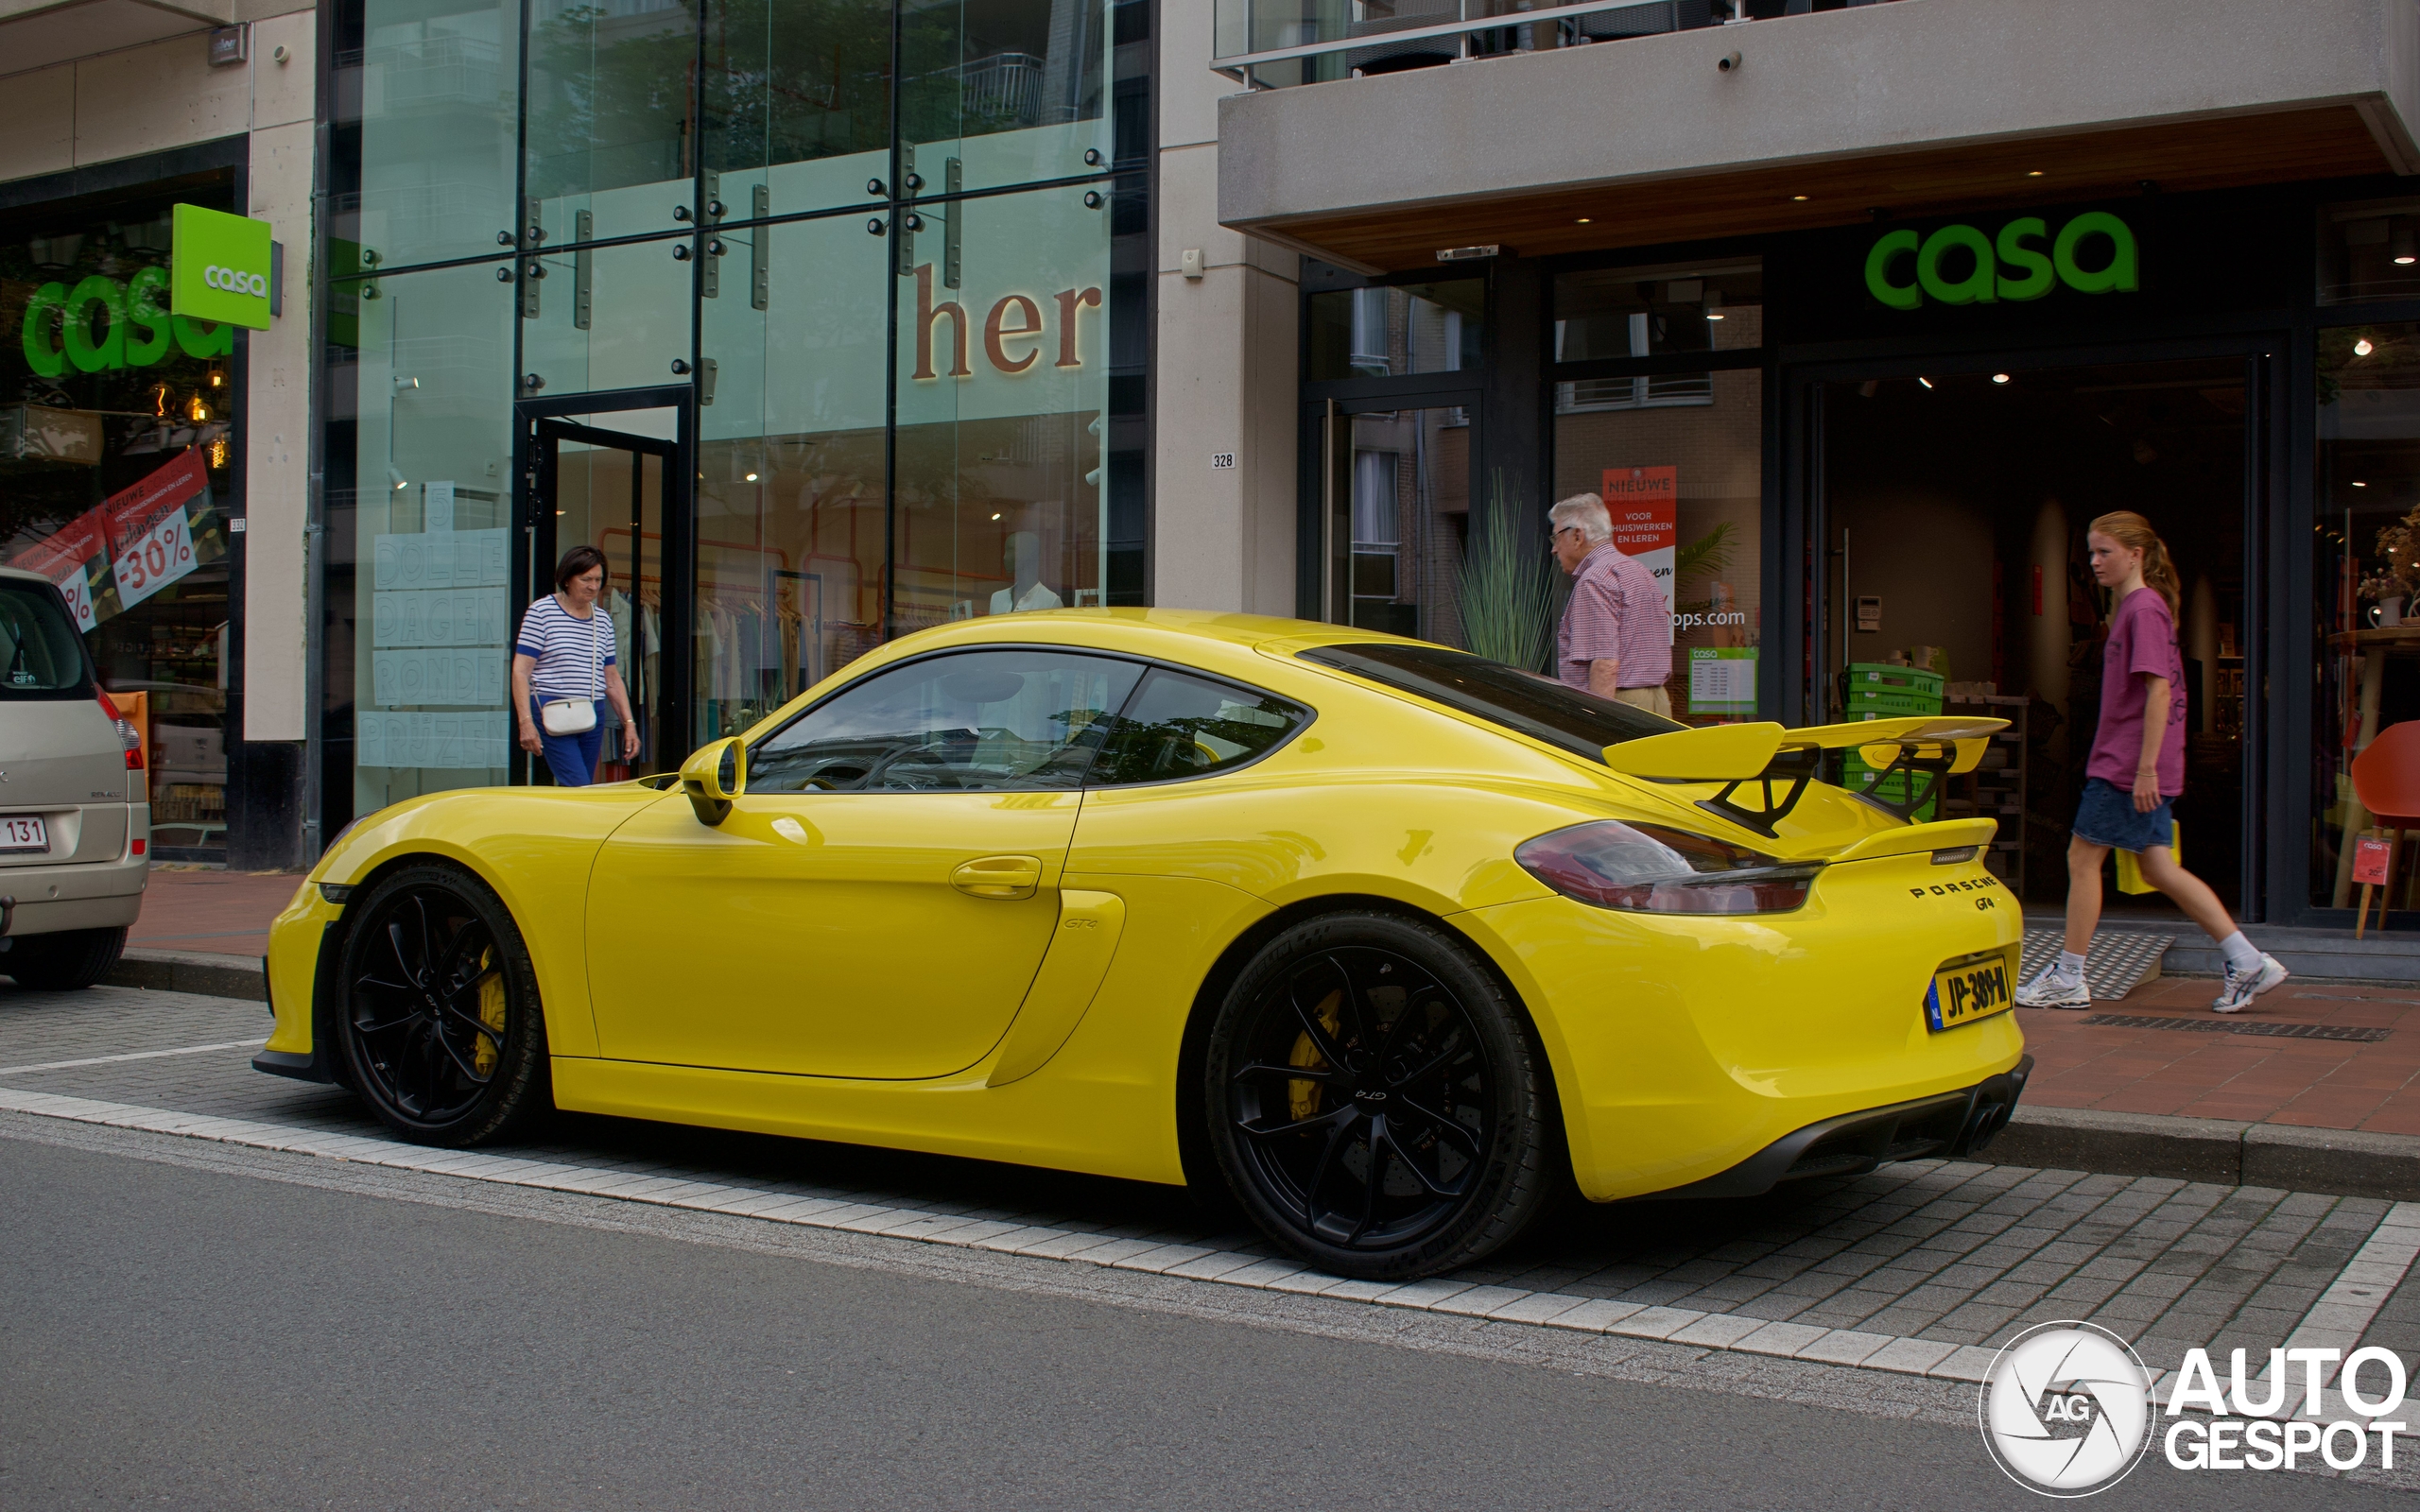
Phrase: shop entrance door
[1949,571]
[1394,502]
[612,478]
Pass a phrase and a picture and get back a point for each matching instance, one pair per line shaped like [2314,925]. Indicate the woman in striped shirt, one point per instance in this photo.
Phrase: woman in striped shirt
[565,650]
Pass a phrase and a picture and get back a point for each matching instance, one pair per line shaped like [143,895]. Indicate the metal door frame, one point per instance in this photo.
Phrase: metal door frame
[538,430]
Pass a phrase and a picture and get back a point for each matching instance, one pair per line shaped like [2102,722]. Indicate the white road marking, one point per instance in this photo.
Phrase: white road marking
[139,1054]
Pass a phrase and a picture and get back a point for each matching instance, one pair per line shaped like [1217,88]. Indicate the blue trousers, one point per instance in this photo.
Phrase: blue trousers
[572,758]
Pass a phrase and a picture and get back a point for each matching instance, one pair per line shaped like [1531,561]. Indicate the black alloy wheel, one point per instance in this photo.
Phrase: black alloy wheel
[1377,1099]
[439,1024]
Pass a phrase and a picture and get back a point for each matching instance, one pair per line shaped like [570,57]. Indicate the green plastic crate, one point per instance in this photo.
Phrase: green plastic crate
[1889,703]
[1883,676]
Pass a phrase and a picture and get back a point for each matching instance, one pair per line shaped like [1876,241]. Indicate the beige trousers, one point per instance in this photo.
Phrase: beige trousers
[1653,698]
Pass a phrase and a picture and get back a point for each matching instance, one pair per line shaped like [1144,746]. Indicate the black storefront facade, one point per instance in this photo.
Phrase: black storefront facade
[1882,443]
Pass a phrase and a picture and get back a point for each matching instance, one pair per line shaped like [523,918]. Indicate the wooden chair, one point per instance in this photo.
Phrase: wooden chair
[2386,780]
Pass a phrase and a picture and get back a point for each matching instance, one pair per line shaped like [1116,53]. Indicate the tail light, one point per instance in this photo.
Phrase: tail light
[128,735]
[1648,868]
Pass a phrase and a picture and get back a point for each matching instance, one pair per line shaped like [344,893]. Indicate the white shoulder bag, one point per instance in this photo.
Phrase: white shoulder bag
[574,716]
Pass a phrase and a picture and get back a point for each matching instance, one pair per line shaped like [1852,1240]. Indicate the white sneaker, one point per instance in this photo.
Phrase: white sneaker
[2048,989]
[2236,993]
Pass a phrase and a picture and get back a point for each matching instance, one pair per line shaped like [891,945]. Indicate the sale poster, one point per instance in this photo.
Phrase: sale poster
[78,559]
[150,527]
[1645,505]
[2370,856]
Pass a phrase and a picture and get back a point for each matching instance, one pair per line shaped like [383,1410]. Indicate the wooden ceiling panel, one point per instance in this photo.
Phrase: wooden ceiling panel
[2279,148]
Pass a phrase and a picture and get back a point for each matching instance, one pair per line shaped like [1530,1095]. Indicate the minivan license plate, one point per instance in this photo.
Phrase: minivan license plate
[1964,992]
[22,832]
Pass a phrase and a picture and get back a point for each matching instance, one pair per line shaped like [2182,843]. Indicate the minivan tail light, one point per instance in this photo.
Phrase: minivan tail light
[128,735]
[1648,868]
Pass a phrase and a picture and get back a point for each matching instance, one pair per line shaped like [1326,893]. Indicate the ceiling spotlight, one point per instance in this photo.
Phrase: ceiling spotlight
[2399,244]
[1927,382]
[2358,484]
[995,516]
[2362,348]
[2035,173]
[751,477]
[1999,377]
[1582,221]
[1798,198]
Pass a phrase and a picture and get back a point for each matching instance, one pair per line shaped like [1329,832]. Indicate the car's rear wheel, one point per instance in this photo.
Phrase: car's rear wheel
[440,1026]
[64,962]
[1377,1100]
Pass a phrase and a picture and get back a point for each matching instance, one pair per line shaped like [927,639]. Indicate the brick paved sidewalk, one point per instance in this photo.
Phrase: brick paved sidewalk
[2282,1062]
[223,913]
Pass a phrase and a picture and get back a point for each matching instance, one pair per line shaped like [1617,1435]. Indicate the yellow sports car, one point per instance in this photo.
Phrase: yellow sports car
[1395,941]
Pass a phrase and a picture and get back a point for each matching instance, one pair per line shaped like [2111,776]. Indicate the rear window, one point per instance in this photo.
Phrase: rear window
[1537,707]
[41,654]
[1178,725]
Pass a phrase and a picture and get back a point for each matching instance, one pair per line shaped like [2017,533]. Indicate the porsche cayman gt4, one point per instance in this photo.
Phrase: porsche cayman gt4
[1393,941]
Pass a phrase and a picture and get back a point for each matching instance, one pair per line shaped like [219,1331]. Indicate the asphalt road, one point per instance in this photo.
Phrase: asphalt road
[185,1337]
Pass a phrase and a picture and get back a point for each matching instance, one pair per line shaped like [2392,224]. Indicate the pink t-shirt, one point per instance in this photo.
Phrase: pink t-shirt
[2142,640]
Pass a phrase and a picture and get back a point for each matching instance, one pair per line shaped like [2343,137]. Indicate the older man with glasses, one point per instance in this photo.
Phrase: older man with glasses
[1615,640]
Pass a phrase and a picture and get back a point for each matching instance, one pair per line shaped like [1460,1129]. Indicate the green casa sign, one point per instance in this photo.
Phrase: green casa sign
[102,324]
[222,267]
[2012,265]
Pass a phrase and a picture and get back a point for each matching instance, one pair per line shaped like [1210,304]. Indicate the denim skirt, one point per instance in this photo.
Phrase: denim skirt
[2107,816]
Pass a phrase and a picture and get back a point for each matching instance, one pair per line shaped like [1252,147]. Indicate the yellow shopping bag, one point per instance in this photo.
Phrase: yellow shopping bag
[2130,871]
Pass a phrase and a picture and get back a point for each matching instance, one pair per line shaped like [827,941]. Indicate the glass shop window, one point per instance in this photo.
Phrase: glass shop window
[2370,250]
[1645,312]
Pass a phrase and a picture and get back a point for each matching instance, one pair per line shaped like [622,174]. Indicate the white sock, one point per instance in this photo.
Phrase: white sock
[2070,965]
[2242,955]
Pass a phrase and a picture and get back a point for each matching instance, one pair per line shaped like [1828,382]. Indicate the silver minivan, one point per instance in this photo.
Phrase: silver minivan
[75,815]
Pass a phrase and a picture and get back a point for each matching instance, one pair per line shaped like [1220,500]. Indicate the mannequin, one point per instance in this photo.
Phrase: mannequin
[1024,568]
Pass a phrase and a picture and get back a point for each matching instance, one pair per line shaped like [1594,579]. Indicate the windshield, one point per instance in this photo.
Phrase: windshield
[41,654]
[1541,708]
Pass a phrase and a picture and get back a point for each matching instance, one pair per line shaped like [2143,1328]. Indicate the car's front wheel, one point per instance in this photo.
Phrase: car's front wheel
[440,1027]
[1377,1100]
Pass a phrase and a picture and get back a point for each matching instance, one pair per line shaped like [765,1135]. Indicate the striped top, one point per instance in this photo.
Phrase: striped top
[572,653]
[1615,612]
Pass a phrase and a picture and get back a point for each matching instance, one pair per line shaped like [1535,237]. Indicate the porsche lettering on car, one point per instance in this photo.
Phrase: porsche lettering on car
[1393,942]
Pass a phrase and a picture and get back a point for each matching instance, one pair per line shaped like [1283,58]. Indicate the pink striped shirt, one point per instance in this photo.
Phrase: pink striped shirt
[1615,612]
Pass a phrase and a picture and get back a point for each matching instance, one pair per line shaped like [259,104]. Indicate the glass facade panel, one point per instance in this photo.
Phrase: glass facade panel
[420,516]
[1640,312]
[120,451]
[1002,409]
[433,86]
[1002,92]
[798,104]
[779,504]
[613,118]
[2366,495]
[1402,328]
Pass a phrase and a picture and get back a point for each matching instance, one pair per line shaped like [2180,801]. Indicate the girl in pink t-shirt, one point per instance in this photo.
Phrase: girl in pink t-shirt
[2135,771]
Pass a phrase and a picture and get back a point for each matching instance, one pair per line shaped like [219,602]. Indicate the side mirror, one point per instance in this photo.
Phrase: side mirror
[713,776]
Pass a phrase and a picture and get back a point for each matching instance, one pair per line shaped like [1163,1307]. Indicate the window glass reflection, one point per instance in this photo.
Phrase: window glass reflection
[1401,328]
[1640,312]
[1181,725]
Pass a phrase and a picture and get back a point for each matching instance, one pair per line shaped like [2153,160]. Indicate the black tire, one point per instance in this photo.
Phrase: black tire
[432,961]
[1354,1031]
[64,962]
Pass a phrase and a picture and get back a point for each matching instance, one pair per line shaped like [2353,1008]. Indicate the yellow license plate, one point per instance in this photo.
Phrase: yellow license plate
[1967,990]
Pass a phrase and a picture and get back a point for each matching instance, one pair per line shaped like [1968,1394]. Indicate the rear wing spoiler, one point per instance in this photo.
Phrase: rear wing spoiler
[1765,757]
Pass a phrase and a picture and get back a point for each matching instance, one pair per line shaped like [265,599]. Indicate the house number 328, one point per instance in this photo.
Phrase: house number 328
[1221,459]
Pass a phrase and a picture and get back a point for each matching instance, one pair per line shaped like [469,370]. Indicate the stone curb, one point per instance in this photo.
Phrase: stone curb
[2336,1162]
[217,976]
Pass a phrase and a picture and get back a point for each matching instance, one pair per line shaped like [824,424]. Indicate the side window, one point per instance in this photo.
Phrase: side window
[1180,726]
[974,721]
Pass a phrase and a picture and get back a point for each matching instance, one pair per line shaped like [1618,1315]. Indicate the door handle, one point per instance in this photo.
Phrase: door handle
[1007,877]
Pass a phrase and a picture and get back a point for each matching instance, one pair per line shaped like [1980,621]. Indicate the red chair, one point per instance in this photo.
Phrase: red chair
[2386,780]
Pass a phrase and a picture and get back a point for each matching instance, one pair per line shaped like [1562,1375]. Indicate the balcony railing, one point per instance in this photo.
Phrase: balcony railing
[1269,43]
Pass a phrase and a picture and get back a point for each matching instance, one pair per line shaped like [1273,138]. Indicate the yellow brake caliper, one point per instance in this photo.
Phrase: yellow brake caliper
[490,1012]
[1303,1097]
